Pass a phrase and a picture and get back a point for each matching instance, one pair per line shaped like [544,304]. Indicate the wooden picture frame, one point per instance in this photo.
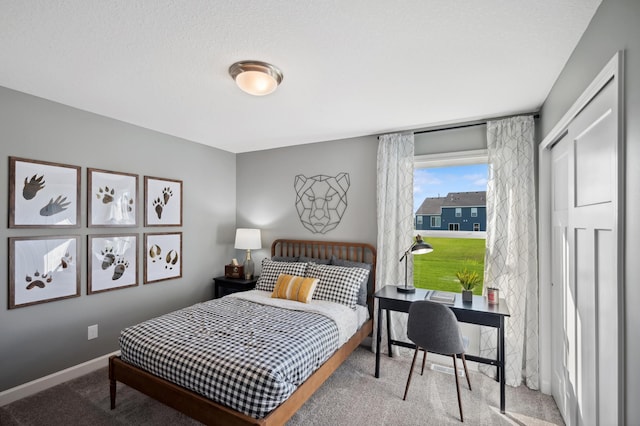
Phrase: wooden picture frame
[43,194]
[162,256]
[43,269]
[112,262]
[112,198]
[162,202]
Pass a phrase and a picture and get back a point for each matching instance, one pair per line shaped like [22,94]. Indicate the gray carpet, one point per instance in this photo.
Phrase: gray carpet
[351,396]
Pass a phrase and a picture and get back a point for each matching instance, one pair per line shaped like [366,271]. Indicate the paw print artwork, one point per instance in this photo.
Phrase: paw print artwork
[128,203]
[171,259]
[66,260]
[54,207]
[40,282]
[161,202]
[163,256]
[108,257]
[106,195]
[158,206]
[32,187]
[154,252]
[166,195]
[121,266]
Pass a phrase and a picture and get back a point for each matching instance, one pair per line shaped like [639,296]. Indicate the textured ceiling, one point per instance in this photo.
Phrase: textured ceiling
[351,68]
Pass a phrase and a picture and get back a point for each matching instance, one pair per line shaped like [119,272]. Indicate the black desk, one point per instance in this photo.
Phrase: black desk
[477,312]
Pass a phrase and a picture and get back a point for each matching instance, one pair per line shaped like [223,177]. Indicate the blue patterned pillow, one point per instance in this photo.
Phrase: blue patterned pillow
[338,284]
[271,270]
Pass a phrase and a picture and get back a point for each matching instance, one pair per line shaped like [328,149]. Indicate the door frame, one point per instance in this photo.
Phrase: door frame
[612,70]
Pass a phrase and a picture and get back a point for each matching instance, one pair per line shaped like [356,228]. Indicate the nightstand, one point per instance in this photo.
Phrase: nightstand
[223,285]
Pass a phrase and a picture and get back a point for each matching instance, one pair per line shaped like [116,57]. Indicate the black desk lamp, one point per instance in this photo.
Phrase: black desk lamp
[419,247]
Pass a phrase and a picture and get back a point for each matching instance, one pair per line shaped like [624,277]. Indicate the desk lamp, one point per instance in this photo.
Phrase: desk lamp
[418,247]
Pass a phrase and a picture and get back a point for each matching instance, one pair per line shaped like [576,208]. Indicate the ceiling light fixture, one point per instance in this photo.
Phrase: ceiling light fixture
[255,77]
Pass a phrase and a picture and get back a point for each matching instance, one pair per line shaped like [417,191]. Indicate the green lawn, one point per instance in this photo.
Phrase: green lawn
[437,270]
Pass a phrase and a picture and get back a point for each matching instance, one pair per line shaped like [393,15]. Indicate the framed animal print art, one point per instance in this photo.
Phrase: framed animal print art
[162,256]
[43,269]
[162,202]
[43,194]
[112,262]
[112,198]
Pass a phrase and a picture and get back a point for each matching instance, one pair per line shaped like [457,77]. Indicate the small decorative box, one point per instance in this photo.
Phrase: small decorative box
[234,271]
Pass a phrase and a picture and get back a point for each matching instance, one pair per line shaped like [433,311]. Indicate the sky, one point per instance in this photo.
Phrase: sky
[439,181]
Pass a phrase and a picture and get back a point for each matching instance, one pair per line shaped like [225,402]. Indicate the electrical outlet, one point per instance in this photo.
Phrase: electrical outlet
[92,332]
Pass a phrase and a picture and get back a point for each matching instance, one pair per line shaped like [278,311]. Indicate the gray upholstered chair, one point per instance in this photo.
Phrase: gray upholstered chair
[433,327]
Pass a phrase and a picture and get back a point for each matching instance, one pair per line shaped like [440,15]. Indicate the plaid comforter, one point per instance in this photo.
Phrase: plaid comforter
[248,356]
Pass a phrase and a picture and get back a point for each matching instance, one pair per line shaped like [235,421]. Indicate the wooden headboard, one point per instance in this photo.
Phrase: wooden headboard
[355,252]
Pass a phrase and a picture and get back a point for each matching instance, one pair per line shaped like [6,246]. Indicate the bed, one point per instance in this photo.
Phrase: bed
[164,379]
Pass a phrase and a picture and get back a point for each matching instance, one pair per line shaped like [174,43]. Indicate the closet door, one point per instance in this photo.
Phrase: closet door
[560,282]
[586,289]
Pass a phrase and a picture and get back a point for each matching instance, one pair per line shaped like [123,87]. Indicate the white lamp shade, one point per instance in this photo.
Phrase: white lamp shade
[248,239]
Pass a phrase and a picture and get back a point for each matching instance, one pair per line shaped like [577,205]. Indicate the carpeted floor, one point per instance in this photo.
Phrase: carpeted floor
[351,396]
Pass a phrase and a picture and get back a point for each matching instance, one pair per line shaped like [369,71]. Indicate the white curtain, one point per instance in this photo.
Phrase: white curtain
[511,261]
[395,222]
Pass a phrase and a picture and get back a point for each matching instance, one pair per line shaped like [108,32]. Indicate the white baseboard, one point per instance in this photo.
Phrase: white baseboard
[10,395]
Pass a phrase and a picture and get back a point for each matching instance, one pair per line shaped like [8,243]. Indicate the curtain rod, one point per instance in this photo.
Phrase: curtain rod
[468,124]
[473,123]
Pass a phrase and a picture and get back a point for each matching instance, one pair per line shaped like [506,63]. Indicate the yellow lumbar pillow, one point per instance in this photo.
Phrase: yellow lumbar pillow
[294,288]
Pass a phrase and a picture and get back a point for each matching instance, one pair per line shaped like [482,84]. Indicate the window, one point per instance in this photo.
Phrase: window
[419,220]
[457,242]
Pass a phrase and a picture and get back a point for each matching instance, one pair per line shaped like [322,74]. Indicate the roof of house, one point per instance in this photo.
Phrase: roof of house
[434,205]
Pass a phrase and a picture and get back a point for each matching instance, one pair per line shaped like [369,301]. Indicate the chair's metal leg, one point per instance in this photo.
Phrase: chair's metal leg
[466,372]
[406,389]
[424,360]
[455,373]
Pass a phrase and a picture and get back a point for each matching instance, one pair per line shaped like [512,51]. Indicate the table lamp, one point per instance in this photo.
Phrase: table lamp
[418,247]
[248,239]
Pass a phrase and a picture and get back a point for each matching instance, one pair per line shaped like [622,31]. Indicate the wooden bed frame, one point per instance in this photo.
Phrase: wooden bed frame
[211,413]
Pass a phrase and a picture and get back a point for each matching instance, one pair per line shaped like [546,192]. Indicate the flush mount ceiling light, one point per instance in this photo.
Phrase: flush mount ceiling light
[255,77]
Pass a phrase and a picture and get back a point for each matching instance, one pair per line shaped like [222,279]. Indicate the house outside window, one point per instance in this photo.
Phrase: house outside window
[446,187]
[474,213]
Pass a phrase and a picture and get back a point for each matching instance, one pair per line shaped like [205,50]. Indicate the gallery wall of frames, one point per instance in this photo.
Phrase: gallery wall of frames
[48,195]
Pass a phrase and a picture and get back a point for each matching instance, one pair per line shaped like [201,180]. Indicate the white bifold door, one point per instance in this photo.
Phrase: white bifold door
[586,290]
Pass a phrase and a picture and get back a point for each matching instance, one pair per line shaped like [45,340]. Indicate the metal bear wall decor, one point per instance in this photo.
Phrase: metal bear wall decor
[321,201]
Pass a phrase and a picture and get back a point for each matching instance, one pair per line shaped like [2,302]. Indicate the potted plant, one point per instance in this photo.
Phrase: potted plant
[468,281]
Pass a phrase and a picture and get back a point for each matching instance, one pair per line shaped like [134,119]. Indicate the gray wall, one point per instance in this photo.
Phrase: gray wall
[614,27]
[42,339]
[452,140]
[266,195]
